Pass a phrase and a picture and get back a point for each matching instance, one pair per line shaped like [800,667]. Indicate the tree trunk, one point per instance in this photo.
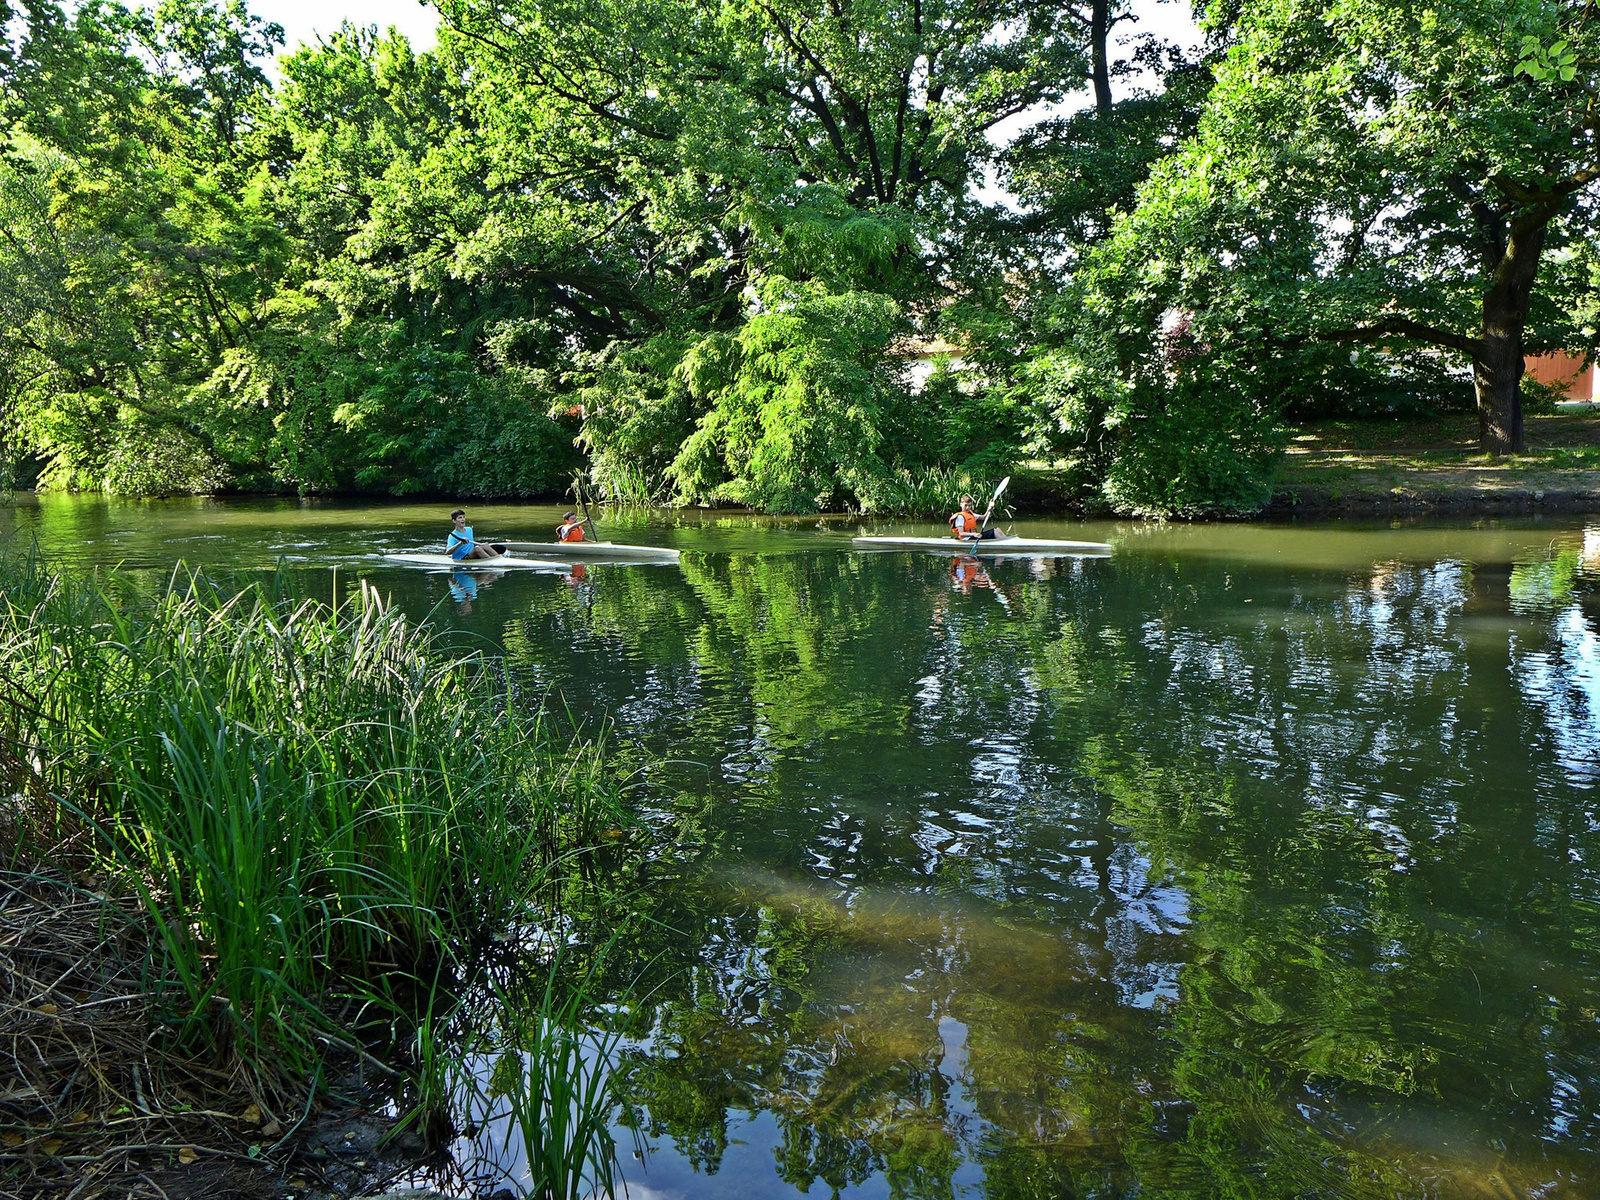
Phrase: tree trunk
[1498,362]
[1497,378]
[1099,33]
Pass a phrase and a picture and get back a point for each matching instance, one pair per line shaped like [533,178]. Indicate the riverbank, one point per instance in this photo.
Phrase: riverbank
[1329,469]
[255,853]
[1354,468]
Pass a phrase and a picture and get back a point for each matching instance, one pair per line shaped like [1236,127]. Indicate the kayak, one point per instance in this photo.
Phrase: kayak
[600,550]
[1043,547]
[542,554]
[506,562]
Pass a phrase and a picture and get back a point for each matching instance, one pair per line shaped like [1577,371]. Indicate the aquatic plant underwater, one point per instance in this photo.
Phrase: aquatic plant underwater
[322,814]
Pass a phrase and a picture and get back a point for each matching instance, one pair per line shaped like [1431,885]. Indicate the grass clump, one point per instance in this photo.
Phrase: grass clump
[304,799]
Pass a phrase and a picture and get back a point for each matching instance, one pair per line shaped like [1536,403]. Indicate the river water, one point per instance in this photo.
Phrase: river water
[1252,861]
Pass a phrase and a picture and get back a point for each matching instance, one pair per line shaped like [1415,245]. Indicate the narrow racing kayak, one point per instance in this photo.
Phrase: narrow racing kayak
[545,555]
[597,550]
[1043,547]
[506,562]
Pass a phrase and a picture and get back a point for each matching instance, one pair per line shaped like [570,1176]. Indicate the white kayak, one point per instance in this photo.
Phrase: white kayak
[599,550]
[552,556]
[1042,547]
[506,562]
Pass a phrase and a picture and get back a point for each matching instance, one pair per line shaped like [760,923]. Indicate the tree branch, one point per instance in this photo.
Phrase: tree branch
[1391,327]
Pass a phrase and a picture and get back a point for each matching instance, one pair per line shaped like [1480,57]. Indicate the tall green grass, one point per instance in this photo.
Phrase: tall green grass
[303,797]
[541,1086]
[929,491]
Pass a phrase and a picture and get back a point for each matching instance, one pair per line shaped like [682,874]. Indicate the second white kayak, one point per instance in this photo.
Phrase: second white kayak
[999,545]
[574,550]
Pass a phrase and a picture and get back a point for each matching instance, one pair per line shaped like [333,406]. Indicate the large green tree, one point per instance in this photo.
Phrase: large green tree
[692,236]
[1389,175]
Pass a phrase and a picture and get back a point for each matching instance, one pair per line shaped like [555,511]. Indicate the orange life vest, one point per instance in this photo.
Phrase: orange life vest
[570,533]
[964,522]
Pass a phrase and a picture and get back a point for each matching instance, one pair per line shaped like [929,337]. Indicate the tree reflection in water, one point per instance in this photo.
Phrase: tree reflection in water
[1169,877]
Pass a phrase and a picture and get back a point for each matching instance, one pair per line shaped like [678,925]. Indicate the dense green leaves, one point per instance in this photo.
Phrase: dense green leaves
[693,243]
[1358,223]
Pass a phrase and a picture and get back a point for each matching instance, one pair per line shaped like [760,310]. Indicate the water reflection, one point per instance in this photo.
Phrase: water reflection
[1166,877]
[1245,863]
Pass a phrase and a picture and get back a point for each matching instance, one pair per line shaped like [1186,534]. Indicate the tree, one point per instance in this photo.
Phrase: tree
[1385,174]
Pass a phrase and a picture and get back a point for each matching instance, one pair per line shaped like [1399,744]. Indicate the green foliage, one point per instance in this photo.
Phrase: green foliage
[1557,62]
[295,792]
[573,231]
[812,408]
[406,273]
[637,404]
[552,1076]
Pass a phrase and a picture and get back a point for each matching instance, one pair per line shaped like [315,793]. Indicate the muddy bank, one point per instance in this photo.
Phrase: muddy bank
[96,1108]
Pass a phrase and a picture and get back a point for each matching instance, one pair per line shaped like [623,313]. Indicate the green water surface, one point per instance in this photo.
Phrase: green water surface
[1251,861]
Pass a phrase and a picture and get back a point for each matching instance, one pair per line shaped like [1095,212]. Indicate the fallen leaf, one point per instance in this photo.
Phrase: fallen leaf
[251,1115]
[298,1182]
[13,1139]
[187,1155]
[271,1129]
[47,1010]
[51,1145]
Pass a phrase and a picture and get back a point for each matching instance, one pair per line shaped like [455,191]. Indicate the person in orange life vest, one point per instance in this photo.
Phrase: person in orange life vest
[571,529]
[967,524]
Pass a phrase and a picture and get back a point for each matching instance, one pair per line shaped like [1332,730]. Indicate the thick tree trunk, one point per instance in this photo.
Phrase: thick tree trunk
[1497,377]
[1100,61]
[1498,361]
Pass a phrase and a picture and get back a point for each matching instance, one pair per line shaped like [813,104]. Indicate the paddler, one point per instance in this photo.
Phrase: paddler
[968,525]
[461,545]
[570,529]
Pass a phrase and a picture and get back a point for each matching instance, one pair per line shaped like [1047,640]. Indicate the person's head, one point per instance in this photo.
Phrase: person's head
[569,517]
[459,516]
[966,504]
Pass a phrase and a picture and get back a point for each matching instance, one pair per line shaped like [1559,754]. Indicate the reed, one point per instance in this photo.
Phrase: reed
[541,1084]
[929,491]
[301,797]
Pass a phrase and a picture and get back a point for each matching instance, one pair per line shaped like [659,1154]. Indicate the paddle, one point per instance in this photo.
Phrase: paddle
[577,490]
[993,500]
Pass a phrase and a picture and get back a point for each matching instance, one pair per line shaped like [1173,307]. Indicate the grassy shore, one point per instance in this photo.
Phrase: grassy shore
[253,844]
[1338,466]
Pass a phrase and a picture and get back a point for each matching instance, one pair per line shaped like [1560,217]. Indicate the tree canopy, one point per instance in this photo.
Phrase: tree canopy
[694,246]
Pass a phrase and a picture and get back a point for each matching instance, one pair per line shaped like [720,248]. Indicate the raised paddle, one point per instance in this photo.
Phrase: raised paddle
[993,500]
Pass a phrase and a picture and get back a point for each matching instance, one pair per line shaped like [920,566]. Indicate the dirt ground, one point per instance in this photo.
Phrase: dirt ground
[1353,465]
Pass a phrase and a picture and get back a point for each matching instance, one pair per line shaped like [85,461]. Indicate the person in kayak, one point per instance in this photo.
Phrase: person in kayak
[968,525]
[461,545]
[570,529]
